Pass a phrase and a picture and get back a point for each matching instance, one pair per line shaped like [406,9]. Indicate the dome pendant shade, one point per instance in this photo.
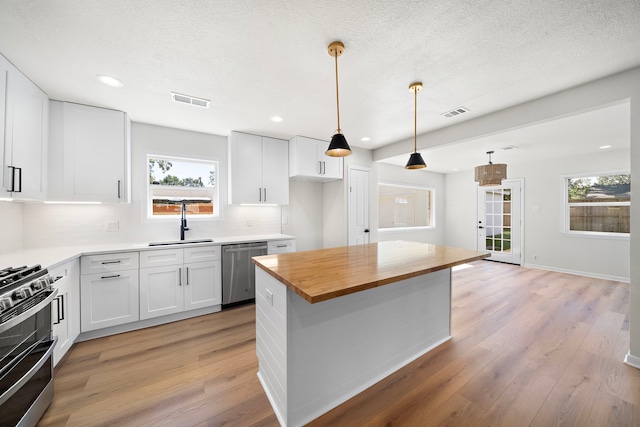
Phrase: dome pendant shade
[415,162]
[338,146]
[491,174]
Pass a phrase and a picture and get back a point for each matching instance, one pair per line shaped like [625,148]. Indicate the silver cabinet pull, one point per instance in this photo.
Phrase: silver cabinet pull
[179,276]
[119,190]
[187,275]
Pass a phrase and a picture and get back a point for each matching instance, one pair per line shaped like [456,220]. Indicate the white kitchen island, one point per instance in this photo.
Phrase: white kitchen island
[331,323]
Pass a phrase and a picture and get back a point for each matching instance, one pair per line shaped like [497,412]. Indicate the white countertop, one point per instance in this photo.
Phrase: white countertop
[51,257]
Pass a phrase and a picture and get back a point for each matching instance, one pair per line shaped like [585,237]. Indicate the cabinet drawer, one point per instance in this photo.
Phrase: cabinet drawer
[93,264]
[161,257]
[202,253]
[63,271]
[281,246]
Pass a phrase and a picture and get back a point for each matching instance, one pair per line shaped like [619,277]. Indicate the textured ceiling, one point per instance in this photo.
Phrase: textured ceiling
[256,59]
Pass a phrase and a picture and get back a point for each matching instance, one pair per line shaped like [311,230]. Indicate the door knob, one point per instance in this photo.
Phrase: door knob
[480,226]
[366,230]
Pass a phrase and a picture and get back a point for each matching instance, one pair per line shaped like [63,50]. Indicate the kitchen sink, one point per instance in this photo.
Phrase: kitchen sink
[180,242]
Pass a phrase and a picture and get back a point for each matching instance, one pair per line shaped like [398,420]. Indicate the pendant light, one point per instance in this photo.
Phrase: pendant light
[338,146]
[415,161]
[491,174]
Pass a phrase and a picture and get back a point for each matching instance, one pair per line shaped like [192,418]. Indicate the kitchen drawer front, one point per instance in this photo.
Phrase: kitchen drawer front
[202,254]
[281,246]
[161,257]
[63,271]
[93,264]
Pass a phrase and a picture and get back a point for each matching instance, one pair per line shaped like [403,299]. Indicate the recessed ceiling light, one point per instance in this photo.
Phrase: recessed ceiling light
[605,146]
[365,139]
[109,81]
[276,119]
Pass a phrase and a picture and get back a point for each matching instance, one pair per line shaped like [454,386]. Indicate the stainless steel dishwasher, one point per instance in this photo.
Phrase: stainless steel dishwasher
[238,272]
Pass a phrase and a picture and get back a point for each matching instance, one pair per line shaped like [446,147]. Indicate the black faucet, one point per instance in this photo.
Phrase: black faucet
[183,221]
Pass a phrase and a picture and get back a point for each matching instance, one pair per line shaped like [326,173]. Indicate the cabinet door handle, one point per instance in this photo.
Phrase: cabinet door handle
[57,322]
[19,180]
[187,275]
[62,306]
[324,168]
[111,262]
[15,189]
[119,189]
[259,194]
[265,194]
[319,167]
[12,178]
[113,276]
[179,276]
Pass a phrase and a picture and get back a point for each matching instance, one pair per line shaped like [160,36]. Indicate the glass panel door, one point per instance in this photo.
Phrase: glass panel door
[499,221]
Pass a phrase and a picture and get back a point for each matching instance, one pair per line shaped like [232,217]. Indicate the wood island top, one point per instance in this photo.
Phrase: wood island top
[330,273]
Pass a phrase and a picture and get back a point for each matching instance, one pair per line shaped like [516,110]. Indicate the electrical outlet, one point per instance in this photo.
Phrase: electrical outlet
[535,256]
[269,297]
[112,226]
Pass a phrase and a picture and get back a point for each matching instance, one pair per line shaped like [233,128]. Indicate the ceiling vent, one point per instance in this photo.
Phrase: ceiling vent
[192,100]
[510,147]
[455,112]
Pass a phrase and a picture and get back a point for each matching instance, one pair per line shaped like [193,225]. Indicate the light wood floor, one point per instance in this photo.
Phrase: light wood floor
[530,348]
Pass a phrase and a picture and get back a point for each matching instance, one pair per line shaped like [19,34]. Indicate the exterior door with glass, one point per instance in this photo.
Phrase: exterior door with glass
[500,221]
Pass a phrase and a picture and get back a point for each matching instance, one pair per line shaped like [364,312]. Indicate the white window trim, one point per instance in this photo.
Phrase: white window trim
[432,219]
[172,218]
[564,223]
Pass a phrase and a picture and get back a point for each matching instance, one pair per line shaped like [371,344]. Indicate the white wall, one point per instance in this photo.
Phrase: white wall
[10,227]
[69,225]
[304,214]
[423,178]
[542,216]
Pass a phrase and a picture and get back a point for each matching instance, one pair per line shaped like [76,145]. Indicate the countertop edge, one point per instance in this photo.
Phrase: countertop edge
[55,256]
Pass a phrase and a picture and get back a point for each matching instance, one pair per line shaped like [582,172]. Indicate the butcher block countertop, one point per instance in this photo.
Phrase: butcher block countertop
[324,274]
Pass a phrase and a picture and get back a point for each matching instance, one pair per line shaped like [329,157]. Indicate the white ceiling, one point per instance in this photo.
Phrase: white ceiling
[256,59]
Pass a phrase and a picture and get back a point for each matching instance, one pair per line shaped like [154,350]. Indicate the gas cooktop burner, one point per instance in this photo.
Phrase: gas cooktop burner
[20,287]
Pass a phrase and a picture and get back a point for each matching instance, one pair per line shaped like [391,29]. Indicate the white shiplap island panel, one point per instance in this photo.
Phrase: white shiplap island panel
[314,356]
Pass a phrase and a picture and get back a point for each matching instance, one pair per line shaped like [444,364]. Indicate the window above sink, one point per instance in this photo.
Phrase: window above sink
[173,181]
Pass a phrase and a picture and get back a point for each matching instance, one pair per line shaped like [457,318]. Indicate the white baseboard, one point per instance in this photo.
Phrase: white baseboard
[578,273]
[632,360]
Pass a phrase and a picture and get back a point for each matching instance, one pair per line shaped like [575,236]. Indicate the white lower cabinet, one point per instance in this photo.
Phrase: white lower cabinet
[65,308]
[281,246]
[176,280]
[109,297]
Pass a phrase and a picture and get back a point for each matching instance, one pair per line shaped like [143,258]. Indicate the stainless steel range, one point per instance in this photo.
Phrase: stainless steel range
[26,344]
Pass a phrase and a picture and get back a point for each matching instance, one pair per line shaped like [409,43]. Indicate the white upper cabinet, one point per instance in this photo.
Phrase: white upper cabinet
[24,126]
[258,170]
[307,161]
[89,154]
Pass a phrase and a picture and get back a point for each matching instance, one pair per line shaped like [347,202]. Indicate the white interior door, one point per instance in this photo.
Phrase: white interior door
[500,221]
[358,206]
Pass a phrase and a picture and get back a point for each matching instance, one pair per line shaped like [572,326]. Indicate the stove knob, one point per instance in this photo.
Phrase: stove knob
[39,284]
[5,304]
[22,293]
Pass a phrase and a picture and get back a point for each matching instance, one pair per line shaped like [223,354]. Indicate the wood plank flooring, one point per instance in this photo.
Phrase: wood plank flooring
[530,348]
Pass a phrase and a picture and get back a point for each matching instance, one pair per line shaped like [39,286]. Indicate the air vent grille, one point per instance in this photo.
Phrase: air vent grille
[191,100]
[510,147]
[455,112]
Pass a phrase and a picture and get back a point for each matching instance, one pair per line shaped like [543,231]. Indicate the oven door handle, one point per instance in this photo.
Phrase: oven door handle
[18,319]
[26,377]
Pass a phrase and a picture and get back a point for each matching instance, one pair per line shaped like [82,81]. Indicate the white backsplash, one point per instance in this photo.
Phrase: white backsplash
[10,226]
[71,225]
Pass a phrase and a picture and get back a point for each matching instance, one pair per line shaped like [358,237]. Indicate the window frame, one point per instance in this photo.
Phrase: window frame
[432,211]
[566,211]
[217,215]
